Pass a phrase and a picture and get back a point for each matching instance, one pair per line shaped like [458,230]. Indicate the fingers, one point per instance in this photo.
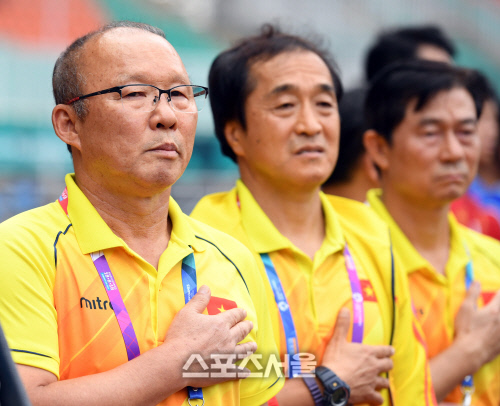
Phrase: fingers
[241,330]
[342,325]
[376,399]
[246,349]
[199,302]
[385,365]
[382,351]
[381,383]
[233,316]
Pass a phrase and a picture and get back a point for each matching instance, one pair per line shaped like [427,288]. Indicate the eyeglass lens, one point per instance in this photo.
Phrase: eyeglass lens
[187,99]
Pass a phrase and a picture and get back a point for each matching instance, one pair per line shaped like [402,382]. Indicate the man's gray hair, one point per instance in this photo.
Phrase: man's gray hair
[67,78]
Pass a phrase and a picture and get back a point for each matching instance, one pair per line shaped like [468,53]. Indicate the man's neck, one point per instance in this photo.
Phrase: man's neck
[355,188]
[142,222]
[426,227]
[297,215]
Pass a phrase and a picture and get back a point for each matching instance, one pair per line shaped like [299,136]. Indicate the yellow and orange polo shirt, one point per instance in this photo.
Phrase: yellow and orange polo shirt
[318,288]
[53,304]
[437,298]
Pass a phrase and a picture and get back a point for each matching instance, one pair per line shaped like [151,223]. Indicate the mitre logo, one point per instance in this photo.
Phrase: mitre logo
[95,304]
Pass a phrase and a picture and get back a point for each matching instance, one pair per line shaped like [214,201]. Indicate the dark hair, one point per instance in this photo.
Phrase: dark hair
[67,78]
[402,44]
[352,128]
[230,82]
[489,94]
[398,84]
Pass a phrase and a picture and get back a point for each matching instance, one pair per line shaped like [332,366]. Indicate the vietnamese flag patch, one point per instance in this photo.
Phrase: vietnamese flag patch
[218,305]
[368,291]
[487,296]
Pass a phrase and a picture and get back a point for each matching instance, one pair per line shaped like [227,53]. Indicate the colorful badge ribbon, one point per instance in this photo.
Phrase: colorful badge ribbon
[286,315]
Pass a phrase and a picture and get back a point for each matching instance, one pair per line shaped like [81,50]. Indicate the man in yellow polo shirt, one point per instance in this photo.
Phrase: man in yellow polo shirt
[338,299]
[111,295]
[422,119]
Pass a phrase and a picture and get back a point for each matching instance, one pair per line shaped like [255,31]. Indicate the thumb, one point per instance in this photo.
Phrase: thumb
[472,295]
[342,325]
[468,306]
[199,302]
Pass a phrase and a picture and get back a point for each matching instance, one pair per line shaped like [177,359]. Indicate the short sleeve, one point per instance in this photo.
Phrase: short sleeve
[27,273]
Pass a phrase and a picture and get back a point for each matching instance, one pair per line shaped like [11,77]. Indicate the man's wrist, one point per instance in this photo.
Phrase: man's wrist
[335,390]
[313,384]
[471,353]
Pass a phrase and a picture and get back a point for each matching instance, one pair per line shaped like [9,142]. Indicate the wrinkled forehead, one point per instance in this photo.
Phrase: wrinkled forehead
[130,52]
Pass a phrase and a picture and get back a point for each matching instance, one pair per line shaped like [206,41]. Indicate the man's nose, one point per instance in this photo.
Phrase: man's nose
[164,114]
[452,149]
[308,122]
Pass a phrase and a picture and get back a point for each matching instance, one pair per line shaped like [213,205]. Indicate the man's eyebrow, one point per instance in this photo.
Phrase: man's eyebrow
[437,121]
[145,79]
[324,87]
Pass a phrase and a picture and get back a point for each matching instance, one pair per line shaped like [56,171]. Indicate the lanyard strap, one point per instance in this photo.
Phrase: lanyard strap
[188,272]
[292,343]
[468,382]
[286,315]
[115,298]
[357,298]
[189,285]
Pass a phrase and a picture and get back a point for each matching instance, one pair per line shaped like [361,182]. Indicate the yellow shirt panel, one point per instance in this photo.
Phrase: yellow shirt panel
[437,298]
[55,310]
[317,289]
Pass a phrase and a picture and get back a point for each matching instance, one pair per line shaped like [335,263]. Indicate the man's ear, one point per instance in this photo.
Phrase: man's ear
[234,134]
[66,125]
[371,169]
[377,148]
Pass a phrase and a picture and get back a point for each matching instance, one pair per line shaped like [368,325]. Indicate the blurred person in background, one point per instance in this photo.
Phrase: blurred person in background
[479,208]
[354,172]
[99,297]
[422,135]
[418,42]
[338,294]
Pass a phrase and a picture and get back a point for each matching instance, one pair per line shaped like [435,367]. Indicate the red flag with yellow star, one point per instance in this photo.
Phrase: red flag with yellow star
[368,292]
[219,305]
[487,296]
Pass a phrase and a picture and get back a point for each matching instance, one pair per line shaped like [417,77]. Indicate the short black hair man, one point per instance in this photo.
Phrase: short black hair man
[275,98]
[422,134]
[418,42]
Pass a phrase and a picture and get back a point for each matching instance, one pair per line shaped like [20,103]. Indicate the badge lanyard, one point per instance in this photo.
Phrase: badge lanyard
[286,315]
[189,284]
[468,382]
[188,272]
[115,298]
[292,343]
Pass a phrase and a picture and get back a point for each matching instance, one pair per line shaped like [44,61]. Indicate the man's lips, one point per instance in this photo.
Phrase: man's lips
[453,177]
[167,148]
[310,149]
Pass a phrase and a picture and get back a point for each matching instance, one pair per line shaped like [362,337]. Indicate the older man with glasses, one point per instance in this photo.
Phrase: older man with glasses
[111,295]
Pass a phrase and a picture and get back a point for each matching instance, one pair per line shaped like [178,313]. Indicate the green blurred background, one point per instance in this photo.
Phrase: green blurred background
[33,32]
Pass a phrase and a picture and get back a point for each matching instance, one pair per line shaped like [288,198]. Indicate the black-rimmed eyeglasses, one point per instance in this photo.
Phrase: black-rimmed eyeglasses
[141,97]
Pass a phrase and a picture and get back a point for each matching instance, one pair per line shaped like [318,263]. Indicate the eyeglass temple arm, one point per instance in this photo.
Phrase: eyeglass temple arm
[110,90]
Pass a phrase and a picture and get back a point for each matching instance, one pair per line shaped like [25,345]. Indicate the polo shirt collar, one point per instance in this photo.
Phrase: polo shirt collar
[410,257]
[93,234]
[182,232]
[265,237]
